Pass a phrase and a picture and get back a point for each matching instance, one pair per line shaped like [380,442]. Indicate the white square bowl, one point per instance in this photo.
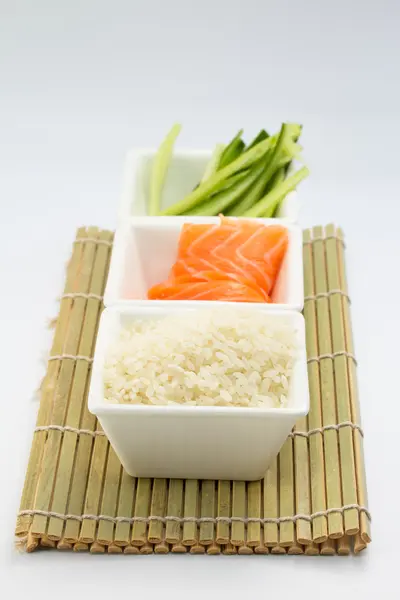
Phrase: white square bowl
[194,441]
[185,171]
[145,248]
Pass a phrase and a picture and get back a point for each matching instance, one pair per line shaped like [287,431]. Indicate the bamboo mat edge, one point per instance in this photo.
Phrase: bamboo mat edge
[313,500]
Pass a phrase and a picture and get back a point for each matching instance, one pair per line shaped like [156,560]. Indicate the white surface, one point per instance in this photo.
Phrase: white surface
[78,90]
[195,442]
[145,248]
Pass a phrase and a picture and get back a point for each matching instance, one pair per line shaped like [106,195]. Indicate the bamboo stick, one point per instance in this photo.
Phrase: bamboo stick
[161,548]
[97,548]
[239,509]
[270,492]
[223,510]
[347,463]
[142,507]
[214,549]
[278,550]
[114,549]
[331,446]
[178,549]
[359,544]
[95,483]
[125,509]
[190,529]
[158,504]
[31,543]
[63,545]
[302,482]
[316,449]
[261,548]
[312,549]
[173,530]
[295,549]
[245,550]
[131,550]
[83,454]
[47,543]
[47,391]
[146,548]
[94,489]
[328,548]
[109,503]
[254,507]
[344,546]
[286,493]
[45,489]
[197,549]
[80,479]
[229,549]
[365,528]
[81,547]
[207,509]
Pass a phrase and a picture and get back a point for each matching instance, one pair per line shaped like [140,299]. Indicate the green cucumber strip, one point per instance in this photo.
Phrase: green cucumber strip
[159,169]
[214,162]
[233,141]
[294,130]
[231,152]
[262,135]
[224,186]
[278,177]
[253,194]
[218,180]
[269,203]
[235,178]
[270,166]
[218,203]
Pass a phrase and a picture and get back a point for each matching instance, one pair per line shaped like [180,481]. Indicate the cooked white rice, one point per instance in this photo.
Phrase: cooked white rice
[219,357]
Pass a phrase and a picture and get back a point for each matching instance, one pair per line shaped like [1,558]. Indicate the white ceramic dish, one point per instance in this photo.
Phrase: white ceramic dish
[145,248]
[194,442]
[186,170]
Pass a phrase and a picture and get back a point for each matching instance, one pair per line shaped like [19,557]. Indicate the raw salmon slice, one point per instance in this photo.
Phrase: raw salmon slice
[213,276]
[236,260]
[229,291]
[235,247]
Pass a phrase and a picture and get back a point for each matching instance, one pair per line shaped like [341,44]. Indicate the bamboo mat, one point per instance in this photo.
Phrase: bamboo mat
[312,501]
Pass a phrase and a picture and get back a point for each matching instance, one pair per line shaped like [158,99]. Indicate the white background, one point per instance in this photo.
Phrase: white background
[81,82]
